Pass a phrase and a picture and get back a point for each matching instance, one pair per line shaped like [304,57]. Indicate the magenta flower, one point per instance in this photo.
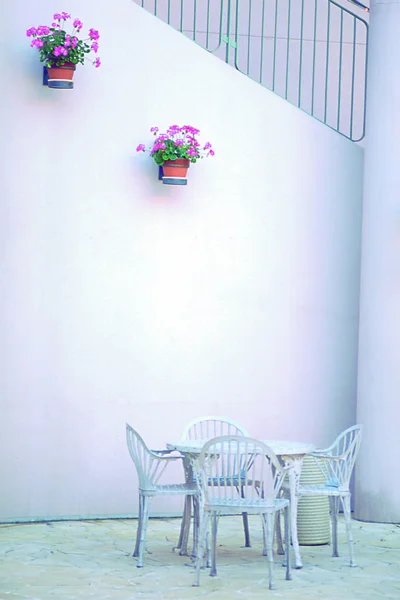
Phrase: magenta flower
[43,30]
[57,17]
[31,31]
[154,130]
[141,148]
[158,146]
[77,24]
[95,46]
[74,42]
[37,43]
[190,129]
[173,130]
[94,34]
[65,16]
[97,62]
[207,146]
[57,50]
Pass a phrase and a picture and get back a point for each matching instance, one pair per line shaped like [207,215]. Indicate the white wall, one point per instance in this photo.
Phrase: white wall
[378,405]
[127,300]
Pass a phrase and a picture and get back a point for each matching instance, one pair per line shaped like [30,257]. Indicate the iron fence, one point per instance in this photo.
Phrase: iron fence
[313,53]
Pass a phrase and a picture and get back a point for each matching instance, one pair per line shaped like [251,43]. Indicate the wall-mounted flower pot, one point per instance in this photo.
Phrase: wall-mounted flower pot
[173,172]
[59,78]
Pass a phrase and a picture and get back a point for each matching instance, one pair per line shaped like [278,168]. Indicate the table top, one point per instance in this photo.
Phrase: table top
[280,447]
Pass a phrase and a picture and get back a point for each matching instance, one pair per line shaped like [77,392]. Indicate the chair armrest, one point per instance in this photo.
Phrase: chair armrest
[322,456]
[166,455]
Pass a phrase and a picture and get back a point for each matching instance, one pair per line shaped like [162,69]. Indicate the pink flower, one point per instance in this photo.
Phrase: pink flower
[43,30]
[97,62]
[74,42]
[154,130]
[57,50]
[95,46]
[57,17]
[211,153]
[37,43]
[173,130]
[94,34]
[31,31]
[77,24]
[158,146]
[141,148]
[65,16]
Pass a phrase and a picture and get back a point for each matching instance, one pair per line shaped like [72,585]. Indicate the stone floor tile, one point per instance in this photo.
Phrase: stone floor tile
[93,559]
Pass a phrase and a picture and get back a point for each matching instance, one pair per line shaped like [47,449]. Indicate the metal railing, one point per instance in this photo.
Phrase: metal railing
[313,53]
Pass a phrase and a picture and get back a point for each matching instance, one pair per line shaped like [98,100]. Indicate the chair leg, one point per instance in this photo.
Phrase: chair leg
[208,550]
[179,544]
[214,530]
[245,518]
[269,522]
[143,529]
[139,527]
[202,542]
[196,525]
[334,507]
[287,542]
[278,532]
[264,526]
[185,527]
[347,516]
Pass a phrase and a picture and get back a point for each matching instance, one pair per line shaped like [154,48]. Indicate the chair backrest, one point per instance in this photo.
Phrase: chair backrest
[149,465]
[206,428]
[344,450]
[229,463]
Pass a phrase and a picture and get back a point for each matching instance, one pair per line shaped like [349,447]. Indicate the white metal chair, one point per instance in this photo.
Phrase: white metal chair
[336,463]
[261,476]
[150,466]
[206,428]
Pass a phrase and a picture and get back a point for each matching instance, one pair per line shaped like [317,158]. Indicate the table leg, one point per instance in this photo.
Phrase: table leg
[185,527]
[294,478]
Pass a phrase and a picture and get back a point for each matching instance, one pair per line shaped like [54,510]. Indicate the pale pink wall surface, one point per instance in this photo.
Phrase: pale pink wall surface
[127,300]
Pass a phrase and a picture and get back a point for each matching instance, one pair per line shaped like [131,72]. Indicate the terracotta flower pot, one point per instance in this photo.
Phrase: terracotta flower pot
[61,77]
[176,168]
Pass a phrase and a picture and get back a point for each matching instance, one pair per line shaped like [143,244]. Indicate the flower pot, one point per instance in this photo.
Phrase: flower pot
[313,520]
[175,171]
[60,78]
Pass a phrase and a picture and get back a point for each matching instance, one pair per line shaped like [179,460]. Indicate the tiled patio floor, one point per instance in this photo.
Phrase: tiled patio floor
[92,559]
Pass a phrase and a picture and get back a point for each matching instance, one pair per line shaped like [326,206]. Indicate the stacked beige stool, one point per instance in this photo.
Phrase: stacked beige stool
[313,520]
